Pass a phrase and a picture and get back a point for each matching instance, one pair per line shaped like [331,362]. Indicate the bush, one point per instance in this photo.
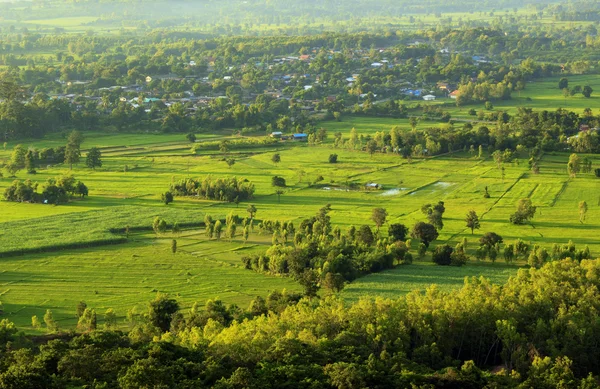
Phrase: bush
[278,181]
[442,255]
[333,158]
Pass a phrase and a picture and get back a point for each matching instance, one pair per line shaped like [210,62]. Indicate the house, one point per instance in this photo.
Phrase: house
[376,65]
[429,97]
[373,186]
[454,94]
[584,127]
[300,137]
[276,134]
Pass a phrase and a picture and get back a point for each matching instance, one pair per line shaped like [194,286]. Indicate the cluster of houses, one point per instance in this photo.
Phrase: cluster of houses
[444,89]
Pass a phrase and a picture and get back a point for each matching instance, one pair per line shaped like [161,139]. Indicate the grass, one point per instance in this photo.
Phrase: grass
[129,274]
[126,276]
[420,275]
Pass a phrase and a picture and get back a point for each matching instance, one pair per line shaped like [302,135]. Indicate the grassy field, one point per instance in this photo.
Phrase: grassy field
[129,274]
[404,279]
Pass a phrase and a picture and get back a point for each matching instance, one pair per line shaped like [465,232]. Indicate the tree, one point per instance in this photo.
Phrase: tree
[490,239]
[93,158]
[161,311]
[333,282]
[35,322]
[224,146]
[279,192]
[176,229]
[81,307]
[17,160]
[583,208]
[563,83]
[333,158]
[413,121]
[278,182]
[51,325]
[371,147]
[425,232]
[397,232]
[251,210]
[310,282]
[246,234]
[276,158]
[230,162]
[231,230]
[442,255]
[365,236]
[159,225]
[30,160]
[218,229]
[379,216]
[587,91]
[174,246]
[525,211]
[472,221]
[574,165]
[434,214]
[73,148]
[88,321]
[166,197]
[110,319]
[191,137]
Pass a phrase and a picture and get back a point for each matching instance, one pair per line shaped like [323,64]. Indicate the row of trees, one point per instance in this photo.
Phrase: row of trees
[221,189]
[30,159]
[55,191]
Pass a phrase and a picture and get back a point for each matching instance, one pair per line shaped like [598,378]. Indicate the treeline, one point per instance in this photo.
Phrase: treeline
[527,130]
[55,191]
[540,330]
[221,189]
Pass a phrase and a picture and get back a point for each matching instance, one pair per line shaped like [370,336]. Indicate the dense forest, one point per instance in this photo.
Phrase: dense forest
[540,330]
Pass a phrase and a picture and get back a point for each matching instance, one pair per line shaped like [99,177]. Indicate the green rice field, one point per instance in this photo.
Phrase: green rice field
[65,264]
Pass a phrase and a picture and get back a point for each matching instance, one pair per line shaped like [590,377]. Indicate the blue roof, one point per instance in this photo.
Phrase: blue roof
[300,135]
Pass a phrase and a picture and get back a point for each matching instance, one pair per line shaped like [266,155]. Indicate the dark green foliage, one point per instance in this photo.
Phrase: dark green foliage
[563,83]
[191,137]
[167,197]
[333,158]
[442,255]
[277,181]
[161,311]
[425,232]
[221,189]
[365,236]
[525,211]
[397,232]
[93,158]
[490,239]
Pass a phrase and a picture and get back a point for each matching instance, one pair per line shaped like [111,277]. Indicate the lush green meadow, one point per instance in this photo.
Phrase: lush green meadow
[123,275]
